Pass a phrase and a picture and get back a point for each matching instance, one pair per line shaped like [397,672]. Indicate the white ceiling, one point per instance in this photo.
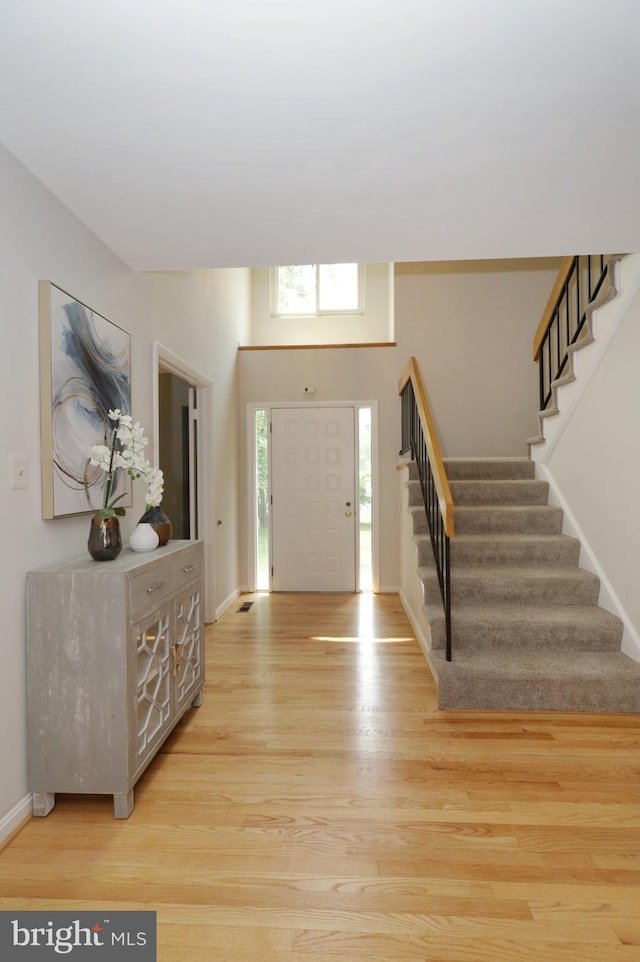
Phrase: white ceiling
[196,133]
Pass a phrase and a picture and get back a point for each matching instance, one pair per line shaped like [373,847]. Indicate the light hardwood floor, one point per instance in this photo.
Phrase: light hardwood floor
[318,806]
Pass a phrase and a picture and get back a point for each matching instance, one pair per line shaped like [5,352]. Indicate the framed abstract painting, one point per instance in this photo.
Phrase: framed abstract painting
[85,370]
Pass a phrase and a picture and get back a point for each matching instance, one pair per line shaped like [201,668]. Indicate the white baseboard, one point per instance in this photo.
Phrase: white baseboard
[15,817]
[388,590]
[415,624]
[228,601]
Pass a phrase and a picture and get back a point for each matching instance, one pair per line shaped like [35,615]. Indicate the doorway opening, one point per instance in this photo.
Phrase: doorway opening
[261,496]
[178,453]
[183,448]
[365,488]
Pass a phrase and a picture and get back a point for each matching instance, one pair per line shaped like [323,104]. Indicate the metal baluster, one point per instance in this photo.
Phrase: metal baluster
[447,599]
[416,440]
[568,322]
[578,312]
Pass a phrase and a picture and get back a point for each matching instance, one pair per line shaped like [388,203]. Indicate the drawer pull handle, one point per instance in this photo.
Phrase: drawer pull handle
[155,587]
[188,568]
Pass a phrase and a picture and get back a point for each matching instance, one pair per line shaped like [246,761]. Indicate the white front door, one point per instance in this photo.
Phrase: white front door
[313,485]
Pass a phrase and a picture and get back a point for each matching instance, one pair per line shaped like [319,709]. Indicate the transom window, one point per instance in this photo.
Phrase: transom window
[311,289]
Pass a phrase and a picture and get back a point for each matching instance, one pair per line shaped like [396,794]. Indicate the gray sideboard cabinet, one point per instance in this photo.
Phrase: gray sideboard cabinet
[115,656]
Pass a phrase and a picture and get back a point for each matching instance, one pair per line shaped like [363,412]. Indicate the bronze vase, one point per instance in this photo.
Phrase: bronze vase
[158,520]
[105,541]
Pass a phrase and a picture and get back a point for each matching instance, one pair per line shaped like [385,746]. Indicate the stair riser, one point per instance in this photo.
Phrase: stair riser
[581,589]
[487,521]
[523,638]
[414,494]
[498,492]
[475,470]
[488,493]
[575,694]
[516,520]
[419,519]
[565,553]
[538,554]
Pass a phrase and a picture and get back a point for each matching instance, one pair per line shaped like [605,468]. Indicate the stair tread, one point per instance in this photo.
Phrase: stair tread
[516,614]
[507,508]
[509,536]
[518,572]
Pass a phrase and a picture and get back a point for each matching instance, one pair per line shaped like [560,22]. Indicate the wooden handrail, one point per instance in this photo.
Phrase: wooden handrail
[552,303]
[445,500]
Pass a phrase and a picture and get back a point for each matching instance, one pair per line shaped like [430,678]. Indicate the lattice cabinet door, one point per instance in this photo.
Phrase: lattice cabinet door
[153,654]
[188,667]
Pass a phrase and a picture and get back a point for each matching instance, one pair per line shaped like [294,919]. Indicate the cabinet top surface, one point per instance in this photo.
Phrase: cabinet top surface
[127,560]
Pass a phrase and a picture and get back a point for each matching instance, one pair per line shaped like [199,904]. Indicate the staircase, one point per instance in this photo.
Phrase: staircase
[527,630]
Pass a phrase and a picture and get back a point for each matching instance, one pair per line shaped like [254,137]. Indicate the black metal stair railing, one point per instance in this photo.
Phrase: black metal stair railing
[418,439]
[578,284]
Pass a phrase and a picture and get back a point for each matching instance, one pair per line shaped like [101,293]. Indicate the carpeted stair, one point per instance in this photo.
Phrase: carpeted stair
[527,632]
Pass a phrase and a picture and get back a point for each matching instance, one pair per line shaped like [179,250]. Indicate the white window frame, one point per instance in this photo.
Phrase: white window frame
[275,298]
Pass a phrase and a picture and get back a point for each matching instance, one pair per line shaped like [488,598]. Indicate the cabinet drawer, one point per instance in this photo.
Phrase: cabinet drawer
[188,566]
[149,589]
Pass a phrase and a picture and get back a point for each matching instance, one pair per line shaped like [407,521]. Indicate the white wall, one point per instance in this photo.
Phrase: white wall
[595,465]
[375,324]
[471,326]
[196,316]
[200,316]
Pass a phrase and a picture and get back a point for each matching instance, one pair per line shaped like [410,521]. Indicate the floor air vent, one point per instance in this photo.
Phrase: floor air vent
[245,606]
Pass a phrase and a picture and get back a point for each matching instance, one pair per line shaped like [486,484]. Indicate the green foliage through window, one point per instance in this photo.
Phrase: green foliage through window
[318,289]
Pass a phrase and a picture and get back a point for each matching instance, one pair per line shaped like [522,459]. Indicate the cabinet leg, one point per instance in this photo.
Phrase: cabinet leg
[43,803]
[123,804]
[197,701]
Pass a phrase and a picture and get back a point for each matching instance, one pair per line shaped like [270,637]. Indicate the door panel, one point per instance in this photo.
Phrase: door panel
[313,491]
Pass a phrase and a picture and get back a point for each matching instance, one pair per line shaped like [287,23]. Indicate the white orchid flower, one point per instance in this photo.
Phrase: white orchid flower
[125,452]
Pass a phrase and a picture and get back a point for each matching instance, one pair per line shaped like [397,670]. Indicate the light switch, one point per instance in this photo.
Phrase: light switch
[18,475]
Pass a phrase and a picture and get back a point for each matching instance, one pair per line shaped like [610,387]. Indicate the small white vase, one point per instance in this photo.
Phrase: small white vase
[144,538]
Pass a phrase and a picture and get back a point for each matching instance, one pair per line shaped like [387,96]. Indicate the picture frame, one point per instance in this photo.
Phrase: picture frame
[85,371]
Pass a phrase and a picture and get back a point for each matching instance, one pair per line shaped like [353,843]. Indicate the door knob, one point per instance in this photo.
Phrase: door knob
[347,514]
